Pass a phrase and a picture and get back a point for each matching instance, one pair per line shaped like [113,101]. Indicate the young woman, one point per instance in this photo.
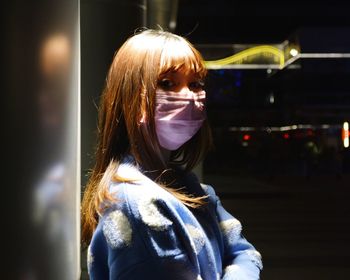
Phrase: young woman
[144,214]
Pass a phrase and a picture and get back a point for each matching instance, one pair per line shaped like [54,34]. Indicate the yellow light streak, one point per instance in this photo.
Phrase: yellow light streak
[236,58]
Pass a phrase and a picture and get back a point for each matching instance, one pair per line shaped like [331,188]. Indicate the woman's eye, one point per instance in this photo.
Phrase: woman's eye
[166,84]
[197,85]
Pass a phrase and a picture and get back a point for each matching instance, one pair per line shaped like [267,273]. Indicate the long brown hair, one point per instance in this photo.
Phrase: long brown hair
[128,97]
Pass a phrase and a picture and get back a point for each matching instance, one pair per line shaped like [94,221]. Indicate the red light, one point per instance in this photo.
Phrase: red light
[286,135]
[344,134]
[246,137]
[310,132]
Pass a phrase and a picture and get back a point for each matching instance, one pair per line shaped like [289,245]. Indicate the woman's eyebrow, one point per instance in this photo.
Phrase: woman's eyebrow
[167,74]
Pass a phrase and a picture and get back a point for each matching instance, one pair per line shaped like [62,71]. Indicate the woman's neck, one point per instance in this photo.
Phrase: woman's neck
[166,155]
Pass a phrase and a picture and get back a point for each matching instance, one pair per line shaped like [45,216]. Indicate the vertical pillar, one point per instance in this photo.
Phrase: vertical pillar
[162,14]
[40,157]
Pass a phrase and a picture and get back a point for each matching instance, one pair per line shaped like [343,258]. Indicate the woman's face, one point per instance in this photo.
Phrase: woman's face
[180,110]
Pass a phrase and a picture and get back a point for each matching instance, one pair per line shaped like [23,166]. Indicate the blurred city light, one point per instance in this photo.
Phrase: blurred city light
[286,135]
[293,52]
[345,134]
[246,137]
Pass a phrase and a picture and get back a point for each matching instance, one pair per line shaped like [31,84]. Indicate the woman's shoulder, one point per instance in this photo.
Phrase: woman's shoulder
[140,205]
[138,197]
[136,204]
[130,185]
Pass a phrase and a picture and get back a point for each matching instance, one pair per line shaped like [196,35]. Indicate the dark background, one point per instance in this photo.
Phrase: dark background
[290,188]
[253,21]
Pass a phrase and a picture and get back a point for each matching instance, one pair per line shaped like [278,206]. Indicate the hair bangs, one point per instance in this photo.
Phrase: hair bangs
[180,55]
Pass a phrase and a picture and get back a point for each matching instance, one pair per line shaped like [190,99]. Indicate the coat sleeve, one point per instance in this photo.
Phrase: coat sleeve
[241,260]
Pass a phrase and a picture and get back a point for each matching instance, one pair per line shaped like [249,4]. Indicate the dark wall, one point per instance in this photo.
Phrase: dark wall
[105,25]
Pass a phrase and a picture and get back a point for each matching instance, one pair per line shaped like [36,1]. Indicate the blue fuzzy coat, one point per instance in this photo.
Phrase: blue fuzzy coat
[149,234]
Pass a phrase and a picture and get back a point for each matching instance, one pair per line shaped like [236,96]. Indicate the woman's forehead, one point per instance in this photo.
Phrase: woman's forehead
[184,62]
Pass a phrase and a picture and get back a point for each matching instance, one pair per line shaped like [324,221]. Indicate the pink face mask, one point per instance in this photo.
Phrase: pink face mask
[178,117]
